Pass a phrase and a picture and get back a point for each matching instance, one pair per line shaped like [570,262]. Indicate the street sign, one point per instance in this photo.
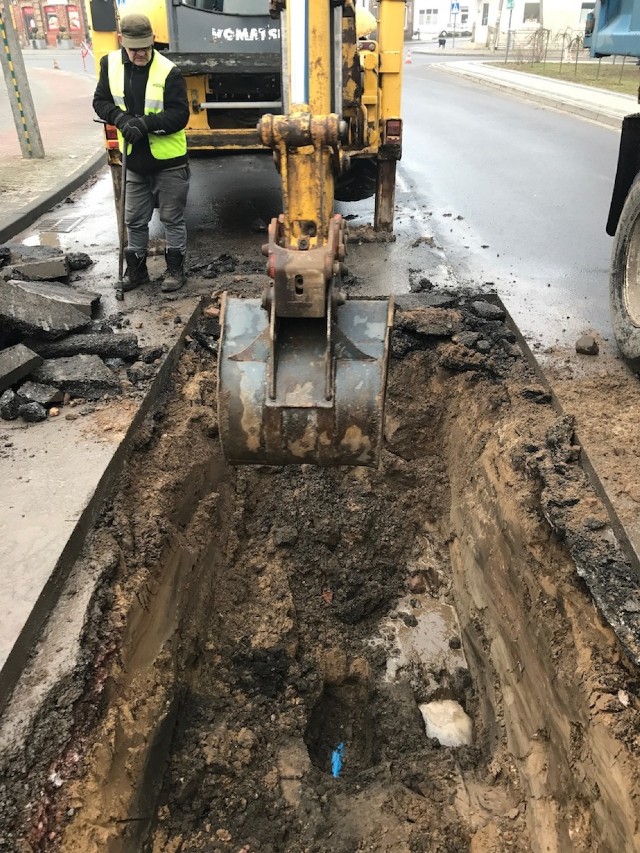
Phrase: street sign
[510,4]
[455,7]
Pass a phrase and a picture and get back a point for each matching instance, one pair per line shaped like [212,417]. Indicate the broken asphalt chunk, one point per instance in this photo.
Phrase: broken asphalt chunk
[141,372]
[431,322]
[38,270]
[587,345]
[15,363]
[29,309]
[35,392]
[81,300]
[33,413]
[105,345]
[79,260]
[488,310]
[9,405]
[20,252]
[150,354]
[419,300]
[80,375]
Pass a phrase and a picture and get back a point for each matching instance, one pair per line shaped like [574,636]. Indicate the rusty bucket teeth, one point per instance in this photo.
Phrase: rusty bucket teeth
[287,403]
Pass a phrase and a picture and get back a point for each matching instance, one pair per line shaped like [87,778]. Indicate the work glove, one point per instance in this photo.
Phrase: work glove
[133,130]
[121,119]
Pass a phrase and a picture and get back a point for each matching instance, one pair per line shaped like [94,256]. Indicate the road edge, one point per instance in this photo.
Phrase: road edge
[551,101]
[27,215]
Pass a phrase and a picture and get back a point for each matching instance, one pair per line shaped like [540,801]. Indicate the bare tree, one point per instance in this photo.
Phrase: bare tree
[576,45]
[537,42]
[564,37]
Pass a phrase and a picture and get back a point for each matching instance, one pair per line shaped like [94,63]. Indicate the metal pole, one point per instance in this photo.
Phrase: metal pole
[122,229]
[453,43]
[506,56]
[15,75]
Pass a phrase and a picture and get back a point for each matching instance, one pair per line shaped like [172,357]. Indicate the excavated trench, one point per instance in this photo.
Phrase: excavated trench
[267,643]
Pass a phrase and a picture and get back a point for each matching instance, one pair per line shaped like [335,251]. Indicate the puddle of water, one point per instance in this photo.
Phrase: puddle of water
[421,630]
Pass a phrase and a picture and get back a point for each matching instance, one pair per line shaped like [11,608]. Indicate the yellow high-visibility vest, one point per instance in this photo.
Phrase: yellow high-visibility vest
[163,146]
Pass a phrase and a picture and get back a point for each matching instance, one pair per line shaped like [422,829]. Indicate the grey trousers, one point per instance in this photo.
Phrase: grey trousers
[168,192]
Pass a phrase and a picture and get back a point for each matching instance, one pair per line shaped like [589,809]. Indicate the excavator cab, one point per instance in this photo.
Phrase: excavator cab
[302,372]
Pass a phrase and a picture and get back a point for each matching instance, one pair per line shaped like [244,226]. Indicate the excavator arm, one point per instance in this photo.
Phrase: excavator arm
[302,372]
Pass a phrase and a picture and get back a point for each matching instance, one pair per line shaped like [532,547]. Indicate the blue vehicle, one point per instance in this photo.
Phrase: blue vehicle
[613,29]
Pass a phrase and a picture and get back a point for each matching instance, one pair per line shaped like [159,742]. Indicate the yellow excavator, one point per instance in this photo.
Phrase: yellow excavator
[302,371]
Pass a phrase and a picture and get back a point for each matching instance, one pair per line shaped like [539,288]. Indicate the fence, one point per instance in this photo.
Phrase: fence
[539,45]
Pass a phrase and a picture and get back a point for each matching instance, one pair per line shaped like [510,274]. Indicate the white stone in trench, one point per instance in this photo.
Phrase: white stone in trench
[447,721]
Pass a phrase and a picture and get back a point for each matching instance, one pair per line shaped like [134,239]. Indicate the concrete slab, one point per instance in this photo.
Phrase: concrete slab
[84,301]
[29,310]
[39,270]
[15,363]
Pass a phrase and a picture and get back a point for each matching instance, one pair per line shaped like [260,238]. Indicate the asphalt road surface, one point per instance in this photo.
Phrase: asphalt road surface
[71,60]
[512,193]
[533,186]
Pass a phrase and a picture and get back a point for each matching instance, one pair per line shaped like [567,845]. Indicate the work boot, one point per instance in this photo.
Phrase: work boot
[136,272]
[175,276]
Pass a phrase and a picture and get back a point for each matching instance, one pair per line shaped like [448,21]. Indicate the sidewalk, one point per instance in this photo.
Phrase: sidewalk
[60,492]
[598,105]
[73,145]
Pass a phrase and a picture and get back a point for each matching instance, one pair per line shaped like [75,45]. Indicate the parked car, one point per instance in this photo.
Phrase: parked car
[429,35]
[464,33]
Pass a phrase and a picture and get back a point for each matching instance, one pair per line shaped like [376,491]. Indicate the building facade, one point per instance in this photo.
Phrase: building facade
[482,18]
[432,17]
[42,24]
[494,18]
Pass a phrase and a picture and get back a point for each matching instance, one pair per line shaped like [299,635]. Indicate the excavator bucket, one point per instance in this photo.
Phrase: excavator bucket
[296,391]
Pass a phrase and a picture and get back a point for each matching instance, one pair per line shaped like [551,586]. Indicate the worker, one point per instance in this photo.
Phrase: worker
[127,96]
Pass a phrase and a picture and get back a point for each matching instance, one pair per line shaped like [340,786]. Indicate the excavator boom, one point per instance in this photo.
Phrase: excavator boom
[302,372]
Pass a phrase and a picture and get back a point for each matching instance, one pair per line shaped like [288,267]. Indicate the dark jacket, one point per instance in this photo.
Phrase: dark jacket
[173,117]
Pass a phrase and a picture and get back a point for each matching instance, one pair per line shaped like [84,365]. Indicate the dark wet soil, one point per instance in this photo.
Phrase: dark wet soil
[253,615]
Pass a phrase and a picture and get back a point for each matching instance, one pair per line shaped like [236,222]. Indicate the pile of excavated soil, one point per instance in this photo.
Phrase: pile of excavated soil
[255,622]
[603,396]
